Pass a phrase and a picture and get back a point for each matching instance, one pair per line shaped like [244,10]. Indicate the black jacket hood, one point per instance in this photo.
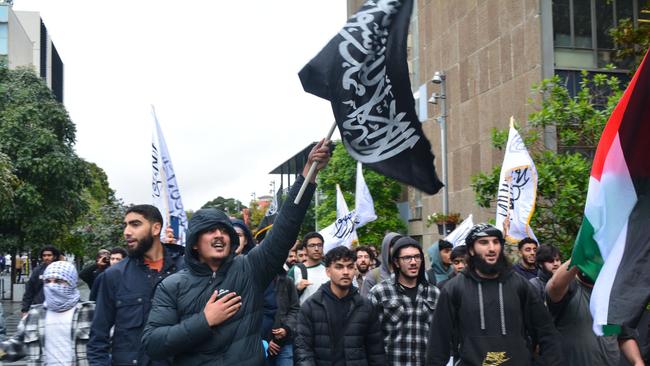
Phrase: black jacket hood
[204,220]
[250,242]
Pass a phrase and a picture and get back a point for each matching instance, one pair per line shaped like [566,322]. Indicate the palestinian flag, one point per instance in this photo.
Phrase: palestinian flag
[613,245]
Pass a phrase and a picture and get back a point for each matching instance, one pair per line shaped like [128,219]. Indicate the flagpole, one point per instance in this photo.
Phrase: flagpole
[312,169]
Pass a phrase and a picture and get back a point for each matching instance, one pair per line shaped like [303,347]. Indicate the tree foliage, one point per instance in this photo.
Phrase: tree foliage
[632,42]
[385,192]
[563,176]
[231,206]
[101,225]
[37,136]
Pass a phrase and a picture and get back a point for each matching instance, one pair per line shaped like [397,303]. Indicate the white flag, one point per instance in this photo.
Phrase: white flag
[457,237]
[517,190]
[165,192]
[343,230]
[364,205]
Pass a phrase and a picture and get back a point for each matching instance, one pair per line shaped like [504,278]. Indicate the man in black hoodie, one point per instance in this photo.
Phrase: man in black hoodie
[211,312]
[336,326]
[491,311]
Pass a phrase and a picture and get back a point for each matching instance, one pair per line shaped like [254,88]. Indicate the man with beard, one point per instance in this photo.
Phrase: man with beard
[363,264]
[547,261]
[292,258]
[526,266]
[34,288]
[490,312]
[301,253]
[405,303]
[336,326]
[125,291]
[211,313]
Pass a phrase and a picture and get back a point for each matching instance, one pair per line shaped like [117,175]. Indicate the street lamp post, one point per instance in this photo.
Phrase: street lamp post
[440,78]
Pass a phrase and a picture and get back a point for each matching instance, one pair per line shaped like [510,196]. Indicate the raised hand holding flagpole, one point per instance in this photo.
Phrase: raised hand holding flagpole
[309,175]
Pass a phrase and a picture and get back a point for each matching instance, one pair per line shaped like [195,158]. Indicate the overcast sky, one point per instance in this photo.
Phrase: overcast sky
[221,74]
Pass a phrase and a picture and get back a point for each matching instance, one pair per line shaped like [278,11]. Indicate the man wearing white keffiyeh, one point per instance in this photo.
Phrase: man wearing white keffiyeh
[55,332]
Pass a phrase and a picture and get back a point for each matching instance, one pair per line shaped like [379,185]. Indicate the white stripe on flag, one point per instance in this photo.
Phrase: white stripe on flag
[599,304]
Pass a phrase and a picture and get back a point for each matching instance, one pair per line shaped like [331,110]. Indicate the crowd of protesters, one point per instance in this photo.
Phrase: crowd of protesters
[224,299]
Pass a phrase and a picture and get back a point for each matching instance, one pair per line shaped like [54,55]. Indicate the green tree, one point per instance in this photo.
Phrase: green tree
[563,176]
[231,206]
[101,225]
[385,192]
[38,137]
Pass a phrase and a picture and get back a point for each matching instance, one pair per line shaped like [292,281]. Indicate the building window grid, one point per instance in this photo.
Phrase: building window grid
[596,48]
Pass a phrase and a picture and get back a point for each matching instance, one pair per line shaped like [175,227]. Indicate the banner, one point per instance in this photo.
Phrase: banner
[363,72]
[164,188]
[457,237]
[343,230]
[517,190]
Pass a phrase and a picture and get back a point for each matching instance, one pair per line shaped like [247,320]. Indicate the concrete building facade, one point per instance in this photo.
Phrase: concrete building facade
[25,42]
[492,52]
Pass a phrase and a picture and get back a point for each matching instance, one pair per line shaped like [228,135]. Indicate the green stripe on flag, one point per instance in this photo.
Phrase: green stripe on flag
[586,254]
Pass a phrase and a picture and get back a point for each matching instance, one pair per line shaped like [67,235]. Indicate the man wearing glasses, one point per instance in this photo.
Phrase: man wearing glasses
[310,275]
[405,304]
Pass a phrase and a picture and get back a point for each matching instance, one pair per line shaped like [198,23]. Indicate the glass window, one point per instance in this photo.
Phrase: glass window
[644,13]
[582,23]
[624,9]
[4,13]
[604,22]
[562,23]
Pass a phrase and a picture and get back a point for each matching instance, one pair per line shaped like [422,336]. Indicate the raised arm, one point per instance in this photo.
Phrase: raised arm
[267,259]
[558,285]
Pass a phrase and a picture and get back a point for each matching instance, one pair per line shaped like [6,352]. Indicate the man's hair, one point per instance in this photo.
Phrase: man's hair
[365,248]
[118,250]
[459,252]
[299,246]
[525,241]
[311,235]
[339,253]
[50,248]
[546,253]
[149,212]
[443,244]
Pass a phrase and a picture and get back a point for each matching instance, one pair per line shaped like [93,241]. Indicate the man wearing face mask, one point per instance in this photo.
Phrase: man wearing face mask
[125,291]
[43,336]
[490,312]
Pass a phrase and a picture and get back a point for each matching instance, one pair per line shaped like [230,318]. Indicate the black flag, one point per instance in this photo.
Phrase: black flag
[363,72]
[267,221]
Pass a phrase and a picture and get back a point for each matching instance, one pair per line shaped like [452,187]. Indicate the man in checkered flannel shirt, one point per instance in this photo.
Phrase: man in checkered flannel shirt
[405,304]
[55,332]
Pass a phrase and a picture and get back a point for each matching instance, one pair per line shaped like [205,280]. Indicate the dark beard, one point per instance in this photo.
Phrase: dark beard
[479,264]
[143,246]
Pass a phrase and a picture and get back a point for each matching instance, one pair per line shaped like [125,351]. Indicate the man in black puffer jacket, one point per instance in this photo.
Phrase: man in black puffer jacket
[190,321]
[336,326]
